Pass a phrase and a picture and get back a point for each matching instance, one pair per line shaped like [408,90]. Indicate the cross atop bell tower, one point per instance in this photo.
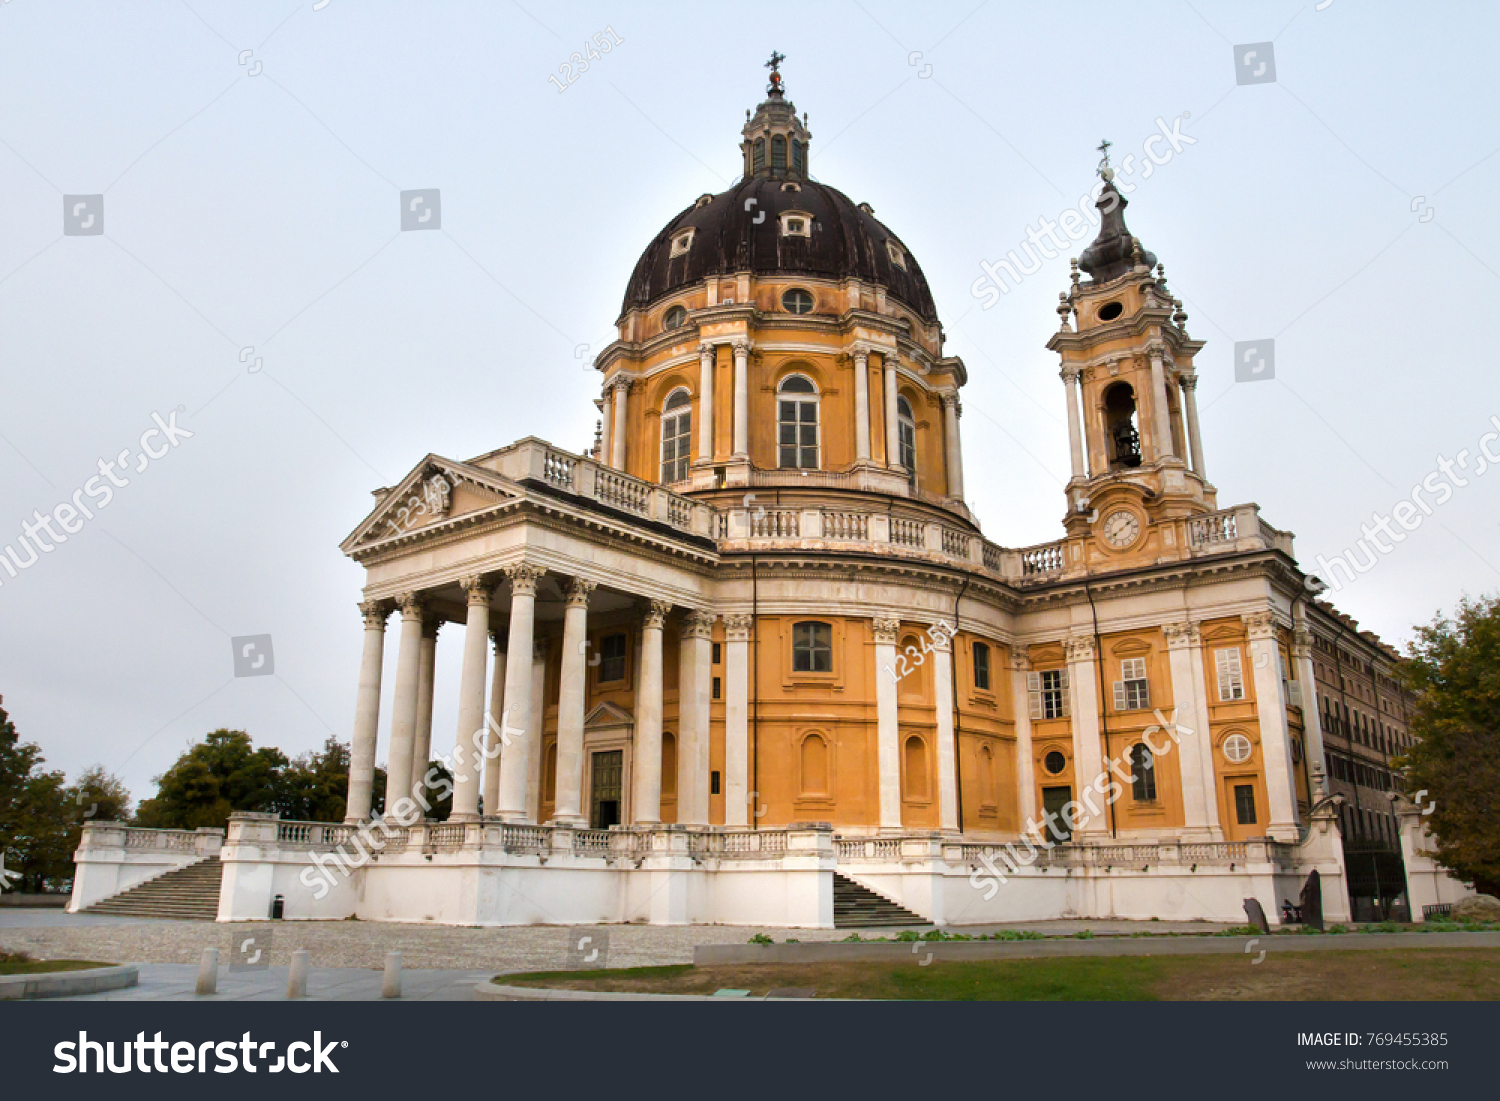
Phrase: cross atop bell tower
[1127,365]
[774,140]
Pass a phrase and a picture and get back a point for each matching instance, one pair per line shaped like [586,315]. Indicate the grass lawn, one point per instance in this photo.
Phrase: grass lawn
[41,967]
[1467,974]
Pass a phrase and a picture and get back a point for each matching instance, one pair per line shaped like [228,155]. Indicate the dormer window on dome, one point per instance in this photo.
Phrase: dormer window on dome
[796,223]
[896,253]
[682,242]
[703,200]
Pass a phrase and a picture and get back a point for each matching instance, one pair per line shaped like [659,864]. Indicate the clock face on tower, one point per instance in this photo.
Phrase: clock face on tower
[1121,528]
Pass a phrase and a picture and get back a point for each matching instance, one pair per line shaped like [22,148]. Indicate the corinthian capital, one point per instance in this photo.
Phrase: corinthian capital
[737,628]
[1080,648]
[698,624]
[375,613]
[656,614]
[886,629]
[1260,625]
[1020,660]
[741,349]
[412,605]
[579,592]
[1302,643]
[523,578]
[479,588]
[1181,634]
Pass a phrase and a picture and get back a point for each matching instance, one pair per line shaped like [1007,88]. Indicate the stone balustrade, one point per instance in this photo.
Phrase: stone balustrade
[112,858]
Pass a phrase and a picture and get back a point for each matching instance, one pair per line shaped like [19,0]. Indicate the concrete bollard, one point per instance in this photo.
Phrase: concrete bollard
[390,986]
[296,977]
[208,972]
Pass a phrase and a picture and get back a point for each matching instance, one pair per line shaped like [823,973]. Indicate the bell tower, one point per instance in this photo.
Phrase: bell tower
[1127,365]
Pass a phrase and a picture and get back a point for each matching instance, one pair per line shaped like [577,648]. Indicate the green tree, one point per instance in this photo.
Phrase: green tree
[1453,667]
[221,774]
[35,815]
[316,784]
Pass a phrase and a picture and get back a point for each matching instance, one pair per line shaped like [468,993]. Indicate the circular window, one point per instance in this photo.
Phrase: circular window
[674,318]
[797,300]
[1054,762]
[1110,310]
[1237,749]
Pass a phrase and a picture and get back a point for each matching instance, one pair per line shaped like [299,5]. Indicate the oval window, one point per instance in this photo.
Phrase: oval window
[1110,310]
[674,318]
[797,300]
[1237,749]
[1054,762]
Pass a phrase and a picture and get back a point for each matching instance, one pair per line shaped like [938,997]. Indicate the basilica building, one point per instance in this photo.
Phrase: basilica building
[752,652]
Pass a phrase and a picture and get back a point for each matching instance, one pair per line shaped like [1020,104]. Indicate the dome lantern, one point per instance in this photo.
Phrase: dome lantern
[775,141]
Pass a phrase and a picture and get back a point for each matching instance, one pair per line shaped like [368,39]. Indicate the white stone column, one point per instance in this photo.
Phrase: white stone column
[617,437]
[887,731]
[1088,752]
[421,750]
[538,723]
[571,699]
[741,399]
[1020,702]
[1189,383]
[1075,430]
[1312,720]
[496,713]
[952,410]
[947,767]
[468,762]
[705,402]
[515,758]
[737,720]
[398,777]
[647,761]
[1275,736]
[1161,419]
[861,403]
[366,713]
[892,429]
[694,691]
[1193,744]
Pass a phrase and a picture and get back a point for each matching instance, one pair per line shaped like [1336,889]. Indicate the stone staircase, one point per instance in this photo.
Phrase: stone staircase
[857,907]
[187,894]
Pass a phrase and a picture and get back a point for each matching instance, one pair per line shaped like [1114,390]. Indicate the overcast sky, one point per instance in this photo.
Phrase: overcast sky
[1344,210]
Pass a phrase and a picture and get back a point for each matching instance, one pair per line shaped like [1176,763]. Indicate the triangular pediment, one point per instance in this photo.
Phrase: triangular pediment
[435,491]
[607,714]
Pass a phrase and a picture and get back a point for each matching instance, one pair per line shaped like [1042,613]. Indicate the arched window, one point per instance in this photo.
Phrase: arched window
[799,152]
[812,647]
[1124,441]
[1143,769]
[778,153]
[759,155]
[906,434]
[916,768]
[674,318]
[797,423]
[676,436]
[814,765]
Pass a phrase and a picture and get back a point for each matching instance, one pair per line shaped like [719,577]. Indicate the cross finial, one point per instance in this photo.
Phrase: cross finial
[775,66]
[1104,160]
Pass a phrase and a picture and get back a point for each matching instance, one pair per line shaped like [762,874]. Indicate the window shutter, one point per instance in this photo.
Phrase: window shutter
[1121,703]
[1034,694]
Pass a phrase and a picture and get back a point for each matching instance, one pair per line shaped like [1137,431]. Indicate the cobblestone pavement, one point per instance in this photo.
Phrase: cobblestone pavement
[364,944]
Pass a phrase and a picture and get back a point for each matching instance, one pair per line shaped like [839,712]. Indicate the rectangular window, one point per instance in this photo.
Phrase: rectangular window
[1244,804]
[1231,673]
[1048,691]
[718,654]
[812,648]
[1132,690]
[713,782]
[718,688]
[981,666]
[611,658]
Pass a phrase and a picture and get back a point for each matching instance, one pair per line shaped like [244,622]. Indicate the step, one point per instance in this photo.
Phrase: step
[189,893]
[856,906]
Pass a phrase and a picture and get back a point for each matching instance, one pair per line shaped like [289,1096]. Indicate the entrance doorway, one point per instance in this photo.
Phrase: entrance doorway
[607,777]
[1053,801]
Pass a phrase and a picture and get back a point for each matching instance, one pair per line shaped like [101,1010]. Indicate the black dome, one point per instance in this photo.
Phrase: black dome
[738,230]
